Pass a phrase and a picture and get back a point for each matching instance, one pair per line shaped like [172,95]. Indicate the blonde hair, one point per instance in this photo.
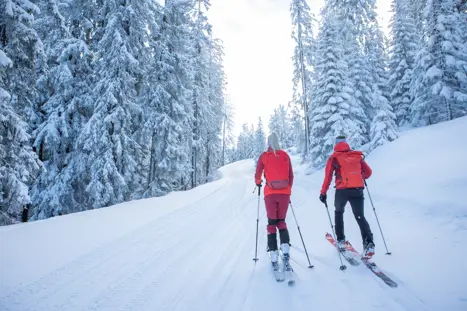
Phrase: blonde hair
[273,141]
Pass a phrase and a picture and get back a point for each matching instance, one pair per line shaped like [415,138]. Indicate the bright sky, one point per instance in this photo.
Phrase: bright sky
[258,53]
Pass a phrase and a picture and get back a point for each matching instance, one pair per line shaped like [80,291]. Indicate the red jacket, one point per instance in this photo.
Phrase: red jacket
[259,173]
[331,167]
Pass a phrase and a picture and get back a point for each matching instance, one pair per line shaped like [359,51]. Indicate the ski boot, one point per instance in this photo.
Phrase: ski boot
[341,245]
[274,256]
[285,249]
[368,250]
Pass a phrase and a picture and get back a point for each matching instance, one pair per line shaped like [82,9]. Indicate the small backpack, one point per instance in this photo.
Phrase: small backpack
[349,165]
[276,169]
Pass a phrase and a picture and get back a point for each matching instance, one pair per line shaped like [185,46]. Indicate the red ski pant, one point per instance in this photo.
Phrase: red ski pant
[276,210]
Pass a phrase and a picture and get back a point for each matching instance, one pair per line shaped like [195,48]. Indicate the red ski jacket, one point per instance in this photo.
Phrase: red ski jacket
[259,171]
[331,168]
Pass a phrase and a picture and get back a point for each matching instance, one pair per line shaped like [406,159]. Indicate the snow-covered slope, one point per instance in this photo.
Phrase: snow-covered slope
[193,250]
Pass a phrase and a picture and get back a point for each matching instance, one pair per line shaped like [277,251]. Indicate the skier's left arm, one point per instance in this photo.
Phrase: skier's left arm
[366,170]
[291,175]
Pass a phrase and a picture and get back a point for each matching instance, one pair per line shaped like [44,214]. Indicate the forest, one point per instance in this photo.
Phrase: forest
[109,101]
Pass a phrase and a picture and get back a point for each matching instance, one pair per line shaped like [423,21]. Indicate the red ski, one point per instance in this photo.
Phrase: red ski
[372,266]
[349,256]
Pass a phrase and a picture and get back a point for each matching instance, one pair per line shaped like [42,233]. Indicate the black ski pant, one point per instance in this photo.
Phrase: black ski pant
[355,197]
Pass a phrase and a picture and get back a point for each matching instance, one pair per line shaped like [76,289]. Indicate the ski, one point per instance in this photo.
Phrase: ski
[278,273]
[372,266]
[288,271]
[350,257]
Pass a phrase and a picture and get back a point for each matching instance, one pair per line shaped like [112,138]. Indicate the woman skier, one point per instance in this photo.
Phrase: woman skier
[279,177]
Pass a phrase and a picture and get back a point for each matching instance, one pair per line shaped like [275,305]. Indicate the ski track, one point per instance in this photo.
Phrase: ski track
[199,257]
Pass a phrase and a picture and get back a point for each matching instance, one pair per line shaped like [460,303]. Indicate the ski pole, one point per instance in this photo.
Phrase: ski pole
[342,267]
[257,224]
[377,220]
[301,237]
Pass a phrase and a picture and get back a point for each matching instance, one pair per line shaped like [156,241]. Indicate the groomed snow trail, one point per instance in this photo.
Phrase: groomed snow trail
[193,251]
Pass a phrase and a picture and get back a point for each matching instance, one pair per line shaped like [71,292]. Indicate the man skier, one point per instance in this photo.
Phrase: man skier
[350,170]
[279,179]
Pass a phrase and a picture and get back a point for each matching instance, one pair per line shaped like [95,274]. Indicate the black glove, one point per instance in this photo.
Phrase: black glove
[259,185]
[323,198]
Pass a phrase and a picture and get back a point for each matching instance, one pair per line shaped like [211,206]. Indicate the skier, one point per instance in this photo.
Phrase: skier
[350,170]
[277,190]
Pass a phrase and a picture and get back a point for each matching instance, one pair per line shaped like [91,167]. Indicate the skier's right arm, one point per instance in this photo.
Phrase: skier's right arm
[327,176]
[259,170]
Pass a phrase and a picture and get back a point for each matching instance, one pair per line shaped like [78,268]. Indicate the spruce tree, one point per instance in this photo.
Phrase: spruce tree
[66,92]
[333,104]
[280,123]
[302,34]
[260,139]
[439,88]
[401,65]
[19,165]
[170,111]
[108,139]
[227,130]
[22,45]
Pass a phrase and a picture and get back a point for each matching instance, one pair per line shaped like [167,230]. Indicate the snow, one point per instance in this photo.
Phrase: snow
[193,250]
[434,72]
[4,60]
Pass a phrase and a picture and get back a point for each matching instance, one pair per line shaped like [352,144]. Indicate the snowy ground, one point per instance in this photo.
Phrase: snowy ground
[194,250]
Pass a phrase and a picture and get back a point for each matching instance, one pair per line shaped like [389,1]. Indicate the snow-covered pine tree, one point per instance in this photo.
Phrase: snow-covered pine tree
[216,92]
[260,140]
[359,27]
[360,71]
[242,143]
[462,7]
[246,143]
[401,65]
[302,34]
[53,31]
[108,139]
[439,88]
[375,52]
[251,146]
[383,127]
[21,52]
[21,43]
[279,122]
[231,155]
[19,165]
[297,131]
[66,93]
[169,102]
[415,11]
[333,104]
[208,94]
[227,131]
[201,45]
